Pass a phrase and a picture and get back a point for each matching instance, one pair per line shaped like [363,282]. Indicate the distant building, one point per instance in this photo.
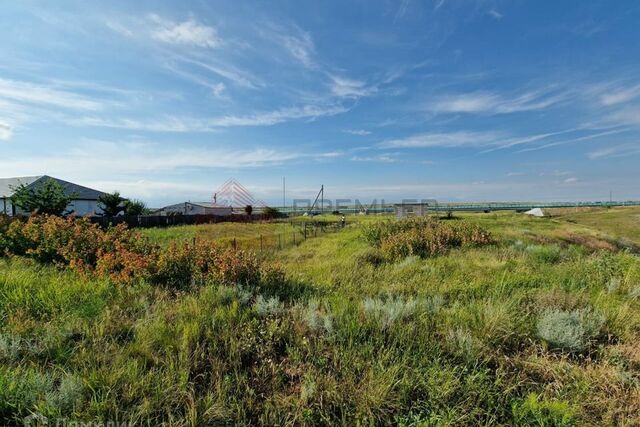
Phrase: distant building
[85,200]
[404,210]
[195,208]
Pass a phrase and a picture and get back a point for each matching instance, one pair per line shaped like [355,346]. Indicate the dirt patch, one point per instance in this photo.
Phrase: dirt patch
[591,242]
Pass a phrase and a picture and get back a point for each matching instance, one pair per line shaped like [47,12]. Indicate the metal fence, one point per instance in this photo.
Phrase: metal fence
[297,234]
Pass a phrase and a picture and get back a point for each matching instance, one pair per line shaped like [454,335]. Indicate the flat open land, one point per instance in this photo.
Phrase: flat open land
[374,324]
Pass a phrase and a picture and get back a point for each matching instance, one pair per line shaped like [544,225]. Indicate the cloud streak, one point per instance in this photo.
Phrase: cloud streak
[190,32]
[44,95]
[187,124]
[483,102]
[446,140]
[6,131]
[96,158]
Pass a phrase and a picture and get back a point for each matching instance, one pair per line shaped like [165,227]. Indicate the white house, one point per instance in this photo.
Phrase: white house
[85,201]
[196,208]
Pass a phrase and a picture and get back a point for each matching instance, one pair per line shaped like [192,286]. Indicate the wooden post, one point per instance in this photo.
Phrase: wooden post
[279,241]
[261,243]
[235,244]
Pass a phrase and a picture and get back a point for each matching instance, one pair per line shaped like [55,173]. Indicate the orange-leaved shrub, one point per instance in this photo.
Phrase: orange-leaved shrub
[184,265]
[423,237]
[125,256]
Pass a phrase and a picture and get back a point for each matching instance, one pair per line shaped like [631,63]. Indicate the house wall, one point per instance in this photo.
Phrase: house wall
[79,207]
[191,209]
[84,207]
[219,211]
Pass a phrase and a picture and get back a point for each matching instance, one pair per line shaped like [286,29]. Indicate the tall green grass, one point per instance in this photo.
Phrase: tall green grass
[475,336]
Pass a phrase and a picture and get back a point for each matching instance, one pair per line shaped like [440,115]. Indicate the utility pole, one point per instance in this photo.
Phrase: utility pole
[322,199]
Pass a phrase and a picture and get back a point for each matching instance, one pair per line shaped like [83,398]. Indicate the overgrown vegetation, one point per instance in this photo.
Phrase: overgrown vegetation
[125,256]
[46,198]
[528,330]
[423,236]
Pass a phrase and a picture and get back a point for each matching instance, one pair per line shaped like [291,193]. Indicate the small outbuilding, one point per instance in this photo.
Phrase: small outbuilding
[195,208]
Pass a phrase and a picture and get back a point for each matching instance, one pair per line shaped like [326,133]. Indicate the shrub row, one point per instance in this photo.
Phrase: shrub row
[423,237]
[125,256]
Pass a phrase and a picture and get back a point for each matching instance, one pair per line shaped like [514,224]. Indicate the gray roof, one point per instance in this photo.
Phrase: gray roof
[201,204]
[209,205]
[8,186]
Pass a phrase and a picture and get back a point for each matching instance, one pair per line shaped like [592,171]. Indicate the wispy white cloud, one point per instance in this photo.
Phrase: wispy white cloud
[269,118]
[218,89]
[97,158]
[39,94]
[615,151]
[186,124]
[511,142]
[620,95]
[359,132]
[572,140]
[495,14]
[383,158]
[189,32]
[402,9]
[119,28]
[227,71]
[491,103]
[6,131]
[451,139]
[629,116]
[556,173]
[570,180]
[349,88]
[300,47]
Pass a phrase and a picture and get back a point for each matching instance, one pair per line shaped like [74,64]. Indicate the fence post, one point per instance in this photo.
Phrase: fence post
[294,237]
[235,244]
[261,243]
[279,241]
[305,231]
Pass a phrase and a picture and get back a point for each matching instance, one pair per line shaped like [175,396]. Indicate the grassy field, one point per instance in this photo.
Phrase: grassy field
[253,236]
[618,223]
[541,327]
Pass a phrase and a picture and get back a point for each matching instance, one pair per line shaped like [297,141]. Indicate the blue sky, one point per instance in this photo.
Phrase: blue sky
[454,100]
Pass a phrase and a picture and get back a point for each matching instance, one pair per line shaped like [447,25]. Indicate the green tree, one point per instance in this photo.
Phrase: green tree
[135,207]
[111,204]
[248,209]
[47,197]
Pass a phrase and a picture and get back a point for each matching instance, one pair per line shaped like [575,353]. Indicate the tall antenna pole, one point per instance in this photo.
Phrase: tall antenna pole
[322,200]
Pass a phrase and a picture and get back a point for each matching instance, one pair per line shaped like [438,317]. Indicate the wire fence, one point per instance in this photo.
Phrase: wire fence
[278,240]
